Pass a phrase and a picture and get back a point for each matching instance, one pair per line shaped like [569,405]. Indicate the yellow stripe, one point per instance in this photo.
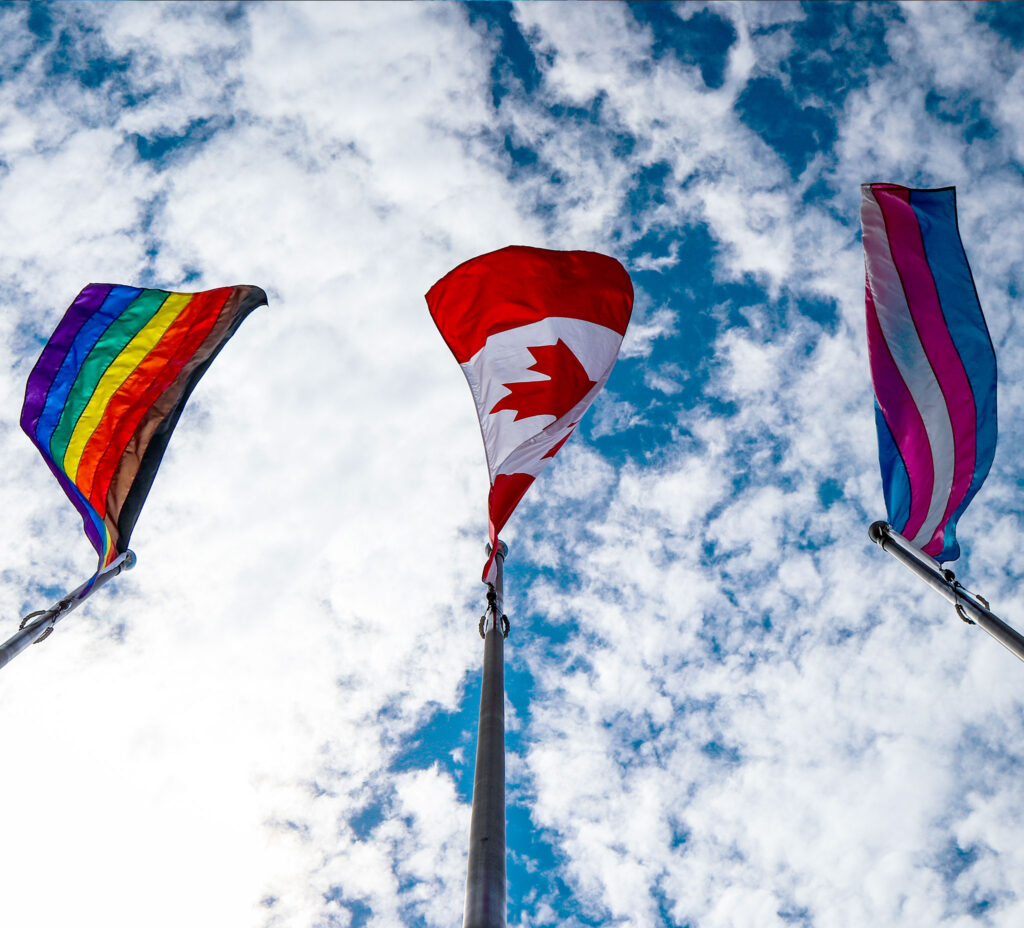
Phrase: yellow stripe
[119,371]
[108,545]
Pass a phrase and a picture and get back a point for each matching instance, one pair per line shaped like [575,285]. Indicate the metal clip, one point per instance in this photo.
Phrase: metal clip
[31,615]
[53,612]
[963,615]
[957,585]
[505,627]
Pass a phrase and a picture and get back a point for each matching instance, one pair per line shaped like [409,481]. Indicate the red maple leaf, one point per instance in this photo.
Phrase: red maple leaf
[566,385]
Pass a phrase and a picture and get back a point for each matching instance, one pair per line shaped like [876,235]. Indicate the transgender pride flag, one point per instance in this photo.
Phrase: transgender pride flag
[932,363]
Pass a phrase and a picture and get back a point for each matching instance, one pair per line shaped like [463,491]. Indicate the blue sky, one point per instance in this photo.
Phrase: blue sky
[725,706]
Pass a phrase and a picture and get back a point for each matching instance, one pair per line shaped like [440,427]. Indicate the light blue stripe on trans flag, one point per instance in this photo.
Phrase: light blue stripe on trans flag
[936,214]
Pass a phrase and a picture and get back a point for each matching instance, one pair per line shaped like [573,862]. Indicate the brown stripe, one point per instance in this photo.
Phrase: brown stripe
[131,460]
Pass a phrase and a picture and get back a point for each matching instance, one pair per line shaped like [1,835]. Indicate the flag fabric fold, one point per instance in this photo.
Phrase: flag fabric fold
[536,333]
[932,363]
[109,386]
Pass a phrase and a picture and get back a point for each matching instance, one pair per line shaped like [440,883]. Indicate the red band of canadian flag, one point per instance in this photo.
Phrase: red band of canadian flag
[536,333]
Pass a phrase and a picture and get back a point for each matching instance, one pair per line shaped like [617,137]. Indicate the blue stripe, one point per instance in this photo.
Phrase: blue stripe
[116,302]
[98,535]
[895,482]
[936,214]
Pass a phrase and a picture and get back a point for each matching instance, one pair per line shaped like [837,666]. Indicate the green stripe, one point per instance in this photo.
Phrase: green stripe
[110,344]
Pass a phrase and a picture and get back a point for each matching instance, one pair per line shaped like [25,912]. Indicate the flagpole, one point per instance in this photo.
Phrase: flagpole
[928,569]
[485,875]
[43,621]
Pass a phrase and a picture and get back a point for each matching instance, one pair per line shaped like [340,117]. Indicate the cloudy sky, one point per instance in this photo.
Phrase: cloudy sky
[726,706]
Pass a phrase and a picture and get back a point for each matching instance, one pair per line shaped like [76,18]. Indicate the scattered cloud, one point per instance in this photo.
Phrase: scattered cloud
[726,707]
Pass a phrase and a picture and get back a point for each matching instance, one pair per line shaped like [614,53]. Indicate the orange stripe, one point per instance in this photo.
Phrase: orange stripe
[119,369]
[140,390]
[133,476]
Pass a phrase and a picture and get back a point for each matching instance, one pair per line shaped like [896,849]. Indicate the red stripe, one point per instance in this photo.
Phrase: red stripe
[141,389]
[911,263]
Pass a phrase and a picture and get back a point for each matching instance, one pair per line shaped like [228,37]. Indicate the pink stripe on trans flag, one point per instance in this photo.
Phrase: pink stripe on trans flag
[911,262]
[928,503]
[901,415]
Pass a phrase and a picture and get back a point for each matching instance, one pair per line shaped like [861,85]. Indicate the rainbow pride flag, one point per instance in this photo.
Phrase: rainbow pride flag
[932,363]
[109,386]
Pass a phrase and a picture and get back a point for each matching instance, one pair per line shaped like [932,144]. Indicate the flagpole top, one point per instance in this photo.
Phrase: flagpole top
[502,549]
[878,531]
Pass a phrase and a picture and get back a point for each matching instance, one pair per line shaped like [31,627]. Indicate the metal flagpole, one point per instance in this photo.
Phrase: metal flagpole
[972,608]
[42,622]
[485,875]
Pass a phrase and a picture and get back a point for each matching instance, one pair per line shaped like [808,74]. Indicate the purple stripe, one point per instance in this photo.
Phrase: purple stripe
[55,350]
[90,518]
[40,380]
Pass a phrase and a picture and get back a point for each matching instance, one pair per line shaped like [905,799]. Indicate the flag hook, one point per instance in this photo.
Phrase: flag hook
[31,616]
[963,615]
[957,586]
[38,626]
[52,613]
[976,608]
[505,626]
[492,608]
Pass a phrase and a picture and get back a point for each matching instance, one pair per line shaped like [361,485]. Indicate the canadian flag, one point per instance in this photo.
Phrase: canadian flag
[537,333]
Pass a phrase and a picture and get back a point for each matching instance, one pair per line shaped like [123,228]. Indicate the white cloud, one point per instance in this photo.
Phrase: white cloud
[740,713]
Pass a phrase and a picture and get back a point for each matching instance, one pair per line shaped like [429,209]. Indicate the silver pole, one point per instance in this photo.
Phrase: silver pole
[41,626]
[929,570]
[485,875]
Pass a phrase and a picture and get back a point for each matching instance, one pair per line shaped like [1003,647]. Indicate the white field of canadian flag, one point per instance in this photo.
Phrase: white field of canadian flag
[536,333]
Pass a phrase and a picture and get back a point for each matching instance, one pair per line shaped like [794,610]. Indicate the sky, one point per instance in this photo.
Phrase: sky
[725,706]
